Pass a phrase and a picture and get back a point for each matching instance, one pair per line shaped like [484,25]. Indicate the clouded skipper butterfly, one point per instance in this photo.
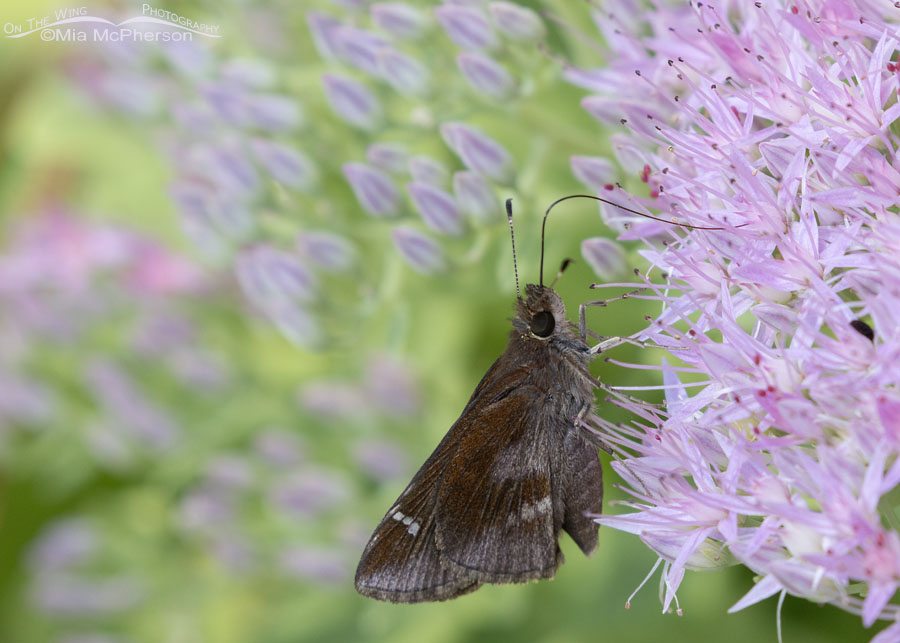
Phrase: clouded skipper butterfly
[515,468]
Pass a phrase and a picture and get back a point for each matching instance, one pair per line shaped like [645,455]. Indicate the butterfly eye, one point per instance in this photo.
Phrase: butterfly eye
[542,323]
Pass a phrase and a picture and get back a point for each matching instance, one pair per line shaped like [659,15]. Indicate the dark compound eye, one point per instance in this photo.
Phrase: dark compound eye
[542,324]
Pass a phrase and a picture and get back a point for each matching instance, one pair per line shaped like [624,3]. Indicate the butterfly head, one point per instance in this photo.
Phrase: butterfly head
[541,314]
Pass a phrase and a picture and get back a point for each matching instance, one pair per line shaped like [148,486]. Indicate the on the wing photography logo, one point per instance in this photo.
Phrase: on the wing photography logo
[77,24]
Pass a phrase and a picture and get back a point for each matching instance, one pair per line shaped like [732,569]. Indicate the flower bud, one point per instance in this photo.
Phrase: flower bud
[405,74]
[468,27]
[475,196]
[478,152]
[516,22]
[606,257]
[592,171]
[398,19]
[323,28]
[418,250]
[360,48]
[391,157]
[425,169]
[438,209]
[328,251]
[374,189]
[352,101]
[485,75]
[286,164]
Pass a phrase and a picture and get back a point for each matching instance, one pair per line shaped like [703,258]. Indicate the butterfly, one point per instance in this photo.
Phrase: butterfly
[514,470]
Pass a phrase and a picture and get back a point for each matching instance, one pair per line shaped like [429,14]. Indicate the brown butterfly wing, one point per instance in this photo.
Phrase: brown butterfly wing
[498,520]
[583,487]
[401,563]
[488,504]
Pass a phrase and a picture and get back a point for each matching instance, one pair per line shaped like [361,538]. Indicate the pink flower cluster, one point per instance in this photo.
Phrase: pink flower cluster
[776,121]
[63,283]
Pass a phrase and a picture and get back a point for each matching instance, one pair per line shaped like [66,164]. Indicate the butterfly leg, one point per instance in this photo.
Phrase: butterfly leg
[605,343]
[614,393]
[582,324]
[582,413]
[608,343]
[579,421]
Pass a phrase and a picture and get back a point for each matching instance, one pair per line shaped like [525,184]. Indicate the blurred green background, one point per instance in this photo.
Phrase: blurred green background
[235,507]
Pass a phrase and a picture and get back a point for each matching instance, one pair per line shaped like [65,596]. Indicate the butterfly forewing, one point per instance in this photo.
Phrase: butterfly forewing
[401,562]
[497,512]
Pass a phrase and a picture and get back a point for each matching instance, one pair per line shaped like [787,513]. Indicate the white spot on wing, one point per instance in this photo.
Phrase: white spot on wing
[409,521]
[532,510]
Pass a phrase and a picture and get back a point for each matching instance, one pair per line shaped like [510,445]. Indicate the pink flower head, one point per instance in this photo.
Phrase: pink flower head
[776,125]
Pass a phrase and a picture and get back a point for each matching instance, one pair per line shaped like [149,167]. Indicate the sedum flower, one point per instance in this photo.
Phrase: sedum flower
[404,73]
[269,274]
[486,76]
[322,27]
[329,252]
[309,492]
[391,157]
[593,172]
[467,26]
[475,196]
[249,511]
[374,189]
[419,250]
[390,387]
[425,169]
[380,460]
[352,101]
[279,448]
[437,207]
[479,152]
[517,22]
[777,124]
[360,48]
[605,256]
[401,20]
[286,164]
[321,565]
[256,150]
[67,284]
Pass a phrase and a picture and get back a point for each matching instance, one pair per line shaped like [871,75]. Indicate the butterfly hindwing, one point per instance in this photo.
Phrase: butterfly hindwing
[582,488]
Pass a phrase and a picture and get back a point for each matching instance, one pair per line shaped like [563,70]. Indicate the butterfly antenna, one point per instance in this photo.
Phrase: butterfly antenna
[565,264]
[617,205]
[512,237]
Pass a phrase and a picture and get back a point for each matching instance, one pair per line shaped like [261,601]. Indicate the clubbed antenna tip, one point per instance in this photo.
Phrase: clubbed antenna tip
[512,238]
